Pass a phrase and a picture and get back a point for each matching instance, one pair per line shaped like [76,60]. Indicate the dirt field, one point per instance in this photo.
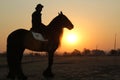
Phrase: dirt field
[69,68]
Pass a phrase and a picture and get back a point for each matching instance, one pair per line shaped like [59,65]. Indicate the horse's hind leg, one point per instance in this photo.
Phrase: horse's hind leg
[19,71]
[14,57]
[10,61]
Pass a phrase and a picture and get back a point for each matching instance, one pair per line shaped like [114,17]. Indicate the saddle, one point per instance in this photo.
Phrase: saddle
[35,41]
[38,36]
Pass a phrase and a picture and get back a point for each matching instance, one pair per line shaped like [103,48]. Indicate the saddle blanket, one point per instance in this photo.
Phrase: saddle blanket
[38,36]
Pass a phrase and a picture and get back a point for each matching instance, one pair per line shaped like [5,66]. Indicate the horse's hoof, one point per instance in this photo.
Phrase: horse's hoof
[22,78]
[48,75]
[10,77]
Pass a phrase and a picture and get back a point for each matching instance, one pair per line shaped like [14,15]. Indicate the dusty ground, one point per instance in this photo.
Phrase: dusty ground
[69,68]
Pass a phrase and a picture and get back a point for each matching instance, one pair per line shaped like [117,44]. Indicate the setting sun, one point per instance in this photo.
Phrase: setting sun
[71,38]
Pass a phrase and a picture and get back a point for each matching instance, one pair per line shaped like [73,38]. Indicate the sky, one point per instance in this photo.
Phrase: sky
[95,21]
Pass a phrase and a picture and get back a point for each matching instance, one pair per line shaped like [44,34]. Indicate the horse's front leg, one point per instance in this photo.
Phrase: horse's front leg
[48,71]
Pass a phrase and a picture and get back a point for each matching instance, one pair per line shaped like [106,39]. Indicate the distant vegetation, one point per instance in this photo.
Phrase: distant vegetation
[94,52]
[75,52]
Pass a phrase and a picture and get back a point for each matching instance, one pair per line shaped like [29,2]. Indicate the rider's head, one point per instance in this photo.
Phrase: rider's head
[39,7]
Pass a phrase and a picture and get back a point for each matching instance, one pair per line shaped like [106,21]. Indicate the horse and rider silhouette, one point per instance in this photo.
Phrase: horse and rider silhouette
[37,25]
[22,39]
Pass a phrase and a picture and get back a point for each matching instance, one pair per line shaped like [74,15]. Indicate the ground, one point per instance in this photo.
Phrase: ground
[69,68]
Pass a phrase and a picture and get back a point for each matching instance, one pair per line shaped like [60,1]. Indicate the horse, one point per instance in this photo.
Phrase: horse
[22,39]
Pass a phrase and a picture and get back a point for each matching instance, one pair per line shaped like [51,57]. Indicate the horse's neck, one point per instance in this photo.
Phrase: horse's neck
[55,32]
[55,29]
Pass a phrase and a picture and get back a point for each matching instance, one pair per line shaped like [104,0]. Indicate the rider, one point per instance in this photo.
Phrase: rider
[37,25]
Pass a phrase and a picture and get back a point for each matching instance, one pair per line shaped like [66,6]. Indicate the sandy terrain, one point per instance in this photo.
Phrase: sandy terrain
[69,68]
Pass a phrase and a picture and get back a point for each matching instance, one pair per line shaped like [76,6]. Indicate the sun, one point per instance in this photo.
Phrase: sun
[71,38]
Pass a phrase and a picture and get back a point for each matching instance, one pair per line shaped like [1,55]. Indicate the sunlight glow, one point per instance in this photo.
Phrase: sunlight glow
[71,38]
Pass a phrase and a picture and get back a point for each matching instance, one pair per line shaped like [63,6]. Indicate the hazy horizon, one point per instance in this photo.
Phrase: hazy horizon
[96,21]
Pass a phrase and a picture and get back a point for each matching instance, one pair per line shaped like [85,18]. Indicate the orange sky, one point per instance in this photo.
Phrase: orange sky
[96,21]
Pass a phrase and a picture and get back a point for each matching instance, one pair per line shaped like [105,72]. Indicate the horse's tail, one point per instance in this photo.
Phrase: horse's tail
[15,41]
[15,50]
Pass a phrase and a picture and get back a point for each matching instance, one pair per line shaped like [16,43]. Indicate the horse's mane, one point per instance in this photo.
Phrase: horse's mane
[55,28]
[54,21]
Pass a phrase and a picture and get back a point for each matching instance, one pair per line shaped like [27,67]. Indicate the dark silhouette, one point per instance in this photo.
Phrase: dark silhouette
[114,52]
[97,52]
[76,53]
[86,52]
[37,25]
[21,39]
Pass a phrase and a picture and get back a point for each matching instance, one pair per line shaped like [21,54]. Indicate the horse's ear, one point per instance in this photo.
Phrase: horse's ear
[61,13]
[58,13]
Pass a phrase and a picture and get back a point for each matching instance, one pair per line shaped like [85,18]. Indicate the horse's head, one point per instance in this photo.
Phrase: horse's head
[65,22]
